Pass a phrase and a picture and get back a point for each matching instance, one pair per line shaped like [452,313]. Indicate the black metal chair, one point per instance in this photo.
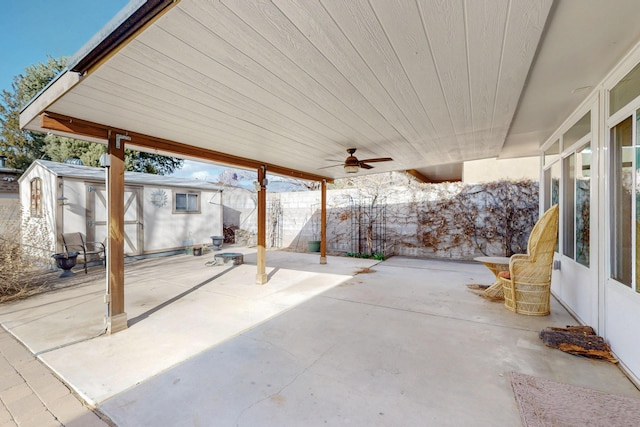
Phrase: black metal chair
[89,250]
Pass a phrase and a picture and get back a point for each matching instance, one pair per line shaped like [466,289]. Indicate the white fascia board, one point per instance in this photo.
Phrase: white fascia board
[29,116]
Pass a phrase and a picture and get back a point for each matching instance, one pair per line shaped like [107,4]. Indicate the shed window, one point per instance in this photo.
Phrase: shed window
[186,203]
[36,197]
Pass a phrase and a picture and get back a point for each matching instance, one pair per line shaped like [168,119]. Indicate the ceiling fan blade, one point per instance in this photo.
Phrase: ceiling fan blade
[365,166]
[379,159]
[332,166]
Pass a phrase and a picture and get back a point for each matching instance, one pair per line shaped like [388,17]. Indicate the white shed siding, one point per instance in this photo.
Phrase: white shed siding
[74,212]
[166,230]
[162,228]
[39,233]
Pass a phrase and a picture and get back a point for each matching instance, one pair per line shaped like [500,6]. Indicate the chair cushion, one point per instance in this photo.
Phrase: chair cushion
[505,274]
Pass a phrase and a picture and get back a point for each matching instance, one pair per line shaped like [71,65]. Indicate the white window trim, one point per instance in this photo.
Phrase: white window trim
[187,192]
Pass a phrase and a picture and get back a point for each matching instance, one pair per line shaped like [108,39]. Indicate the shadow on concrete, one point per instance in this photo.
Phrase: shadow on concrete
[170,301]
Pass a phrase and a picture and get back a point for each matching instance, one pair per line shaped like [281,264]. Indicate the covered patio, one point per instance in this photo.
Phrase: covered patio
[358,342]
[287,87]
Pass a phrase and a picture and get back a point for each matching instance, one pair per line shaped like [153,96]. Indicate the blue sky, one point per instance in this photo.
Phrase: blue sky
[35,29]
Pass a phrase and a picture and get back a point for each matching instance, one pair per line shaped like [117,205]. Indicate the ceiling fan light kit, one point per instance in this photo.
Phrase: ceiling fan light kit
[353,165]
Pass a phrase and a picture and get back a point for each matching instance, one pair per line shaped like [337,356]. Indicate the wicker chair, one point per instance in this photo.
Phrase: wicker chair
[527,284]
[90,250]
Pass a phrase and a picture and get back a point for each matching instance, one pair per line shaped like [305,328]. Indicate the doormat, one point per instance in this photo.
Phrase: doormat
[546,403]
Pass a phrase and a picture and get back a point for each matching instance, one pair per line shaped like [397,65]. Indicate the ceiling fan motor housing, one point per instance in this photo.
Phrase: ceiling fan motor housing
[351,161]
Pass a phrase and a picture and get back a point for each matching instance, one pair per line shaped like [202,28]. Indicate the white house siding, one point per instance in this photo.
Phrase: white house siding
[593,294]
[494,169]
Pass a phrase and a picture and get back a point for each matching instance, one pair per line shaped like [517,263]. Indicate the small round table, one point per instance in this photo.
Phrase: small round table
[495,264]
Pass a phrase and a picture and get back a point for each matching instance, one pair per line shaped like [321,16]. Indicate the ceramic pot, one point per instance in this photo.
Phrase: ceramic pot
[66,261]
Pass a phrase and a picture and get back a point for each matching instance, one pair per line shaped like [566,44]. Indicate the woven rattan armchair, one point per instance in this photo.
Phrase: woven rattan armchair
[527,284]
[90,250]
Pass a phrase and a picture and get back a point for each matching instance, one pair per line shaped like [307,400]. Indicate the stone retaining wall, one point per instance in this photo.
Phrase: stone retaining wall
[450,220]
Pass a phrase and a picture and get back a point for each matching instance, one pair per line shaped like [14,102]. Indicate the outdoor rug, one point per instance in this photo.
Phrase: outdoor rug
[552,404]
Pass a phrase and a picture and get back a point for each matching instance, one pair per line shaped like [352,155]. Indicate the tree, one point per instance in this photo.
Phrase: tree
[22,147]
[59,149]
[139,161]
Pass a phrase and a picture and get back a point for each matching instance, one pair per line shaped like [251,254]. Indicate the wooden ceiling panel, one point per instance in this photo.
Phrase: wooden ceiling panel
[485,31]
[403,26]
[282,62]
[365,40]
[203,88]
[525,23]
[294,83]
[445,29]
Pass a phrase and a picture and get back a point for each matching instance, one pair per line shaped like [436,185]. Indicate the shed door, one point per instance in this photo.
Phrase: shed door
[97,217]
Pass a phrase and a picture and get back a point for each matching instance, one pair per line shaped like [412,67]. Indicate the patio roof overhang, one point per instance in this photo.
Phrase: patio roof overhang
[294,84]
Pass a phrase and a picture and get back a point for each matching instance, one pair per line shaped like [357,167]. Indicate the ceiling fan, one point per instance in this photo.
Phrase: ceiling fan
[353,165]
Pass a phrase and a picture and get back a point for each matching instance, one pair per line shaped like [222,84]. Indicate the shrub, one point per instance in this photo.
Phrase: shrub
[20,275]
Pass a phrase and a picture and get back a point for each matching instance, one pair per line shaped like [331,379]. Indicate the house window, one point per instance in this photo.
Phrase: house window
[579,130]
[577,201]
[551,179]
[621,194]
[576,171]
[568,195]
[552,153]
[583,204]
[625,91]
[36,197]
[555,183]
[186,203]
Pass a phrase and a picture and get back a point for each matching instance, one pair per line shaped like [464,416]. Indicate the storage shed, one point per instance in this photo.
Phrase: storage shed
[162,214]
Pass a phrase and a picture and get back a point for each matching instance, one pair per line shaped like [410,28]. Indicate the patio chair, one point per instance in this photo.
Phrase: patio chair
[89,250]
[527,284]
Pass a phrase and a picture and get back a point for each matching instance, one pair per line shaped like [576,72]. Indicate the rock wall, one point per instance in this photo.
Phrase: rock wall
[450,220]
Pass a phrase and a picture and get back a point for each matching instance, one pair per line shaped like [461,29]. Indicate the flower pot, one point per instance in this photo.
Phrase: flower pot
[217,242]
[66,261]
[314,245]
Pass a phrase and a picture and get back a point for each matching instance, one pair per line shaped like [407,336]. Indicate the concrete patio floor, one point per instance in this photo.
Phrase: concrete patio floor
[405,343]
